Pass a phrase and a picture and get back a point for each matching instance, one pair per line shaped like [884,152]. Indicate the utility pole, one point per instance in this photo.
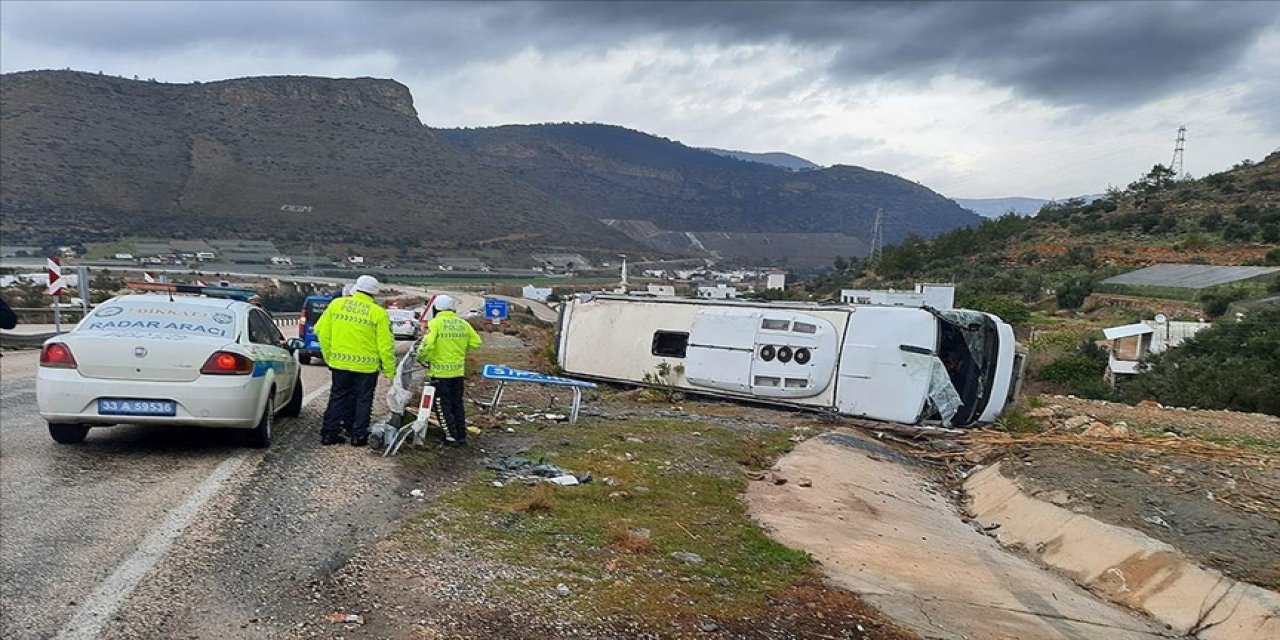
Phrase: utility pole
[1176,165]
[877,238]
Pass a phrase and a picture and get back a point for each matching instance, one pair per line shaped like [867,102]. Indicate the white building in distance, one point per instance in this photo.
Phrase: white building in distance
[776,281]
[719,292]
[926,294]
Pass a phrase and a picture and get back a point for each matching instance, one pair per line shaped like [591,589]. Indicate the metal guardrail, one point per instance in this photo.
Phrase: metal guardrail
[71,315]
[12,341]
[287,318]
[44,315]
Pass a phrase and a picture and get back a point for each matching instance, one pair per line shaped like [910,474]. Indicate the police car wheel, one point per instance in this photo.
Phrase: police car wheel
[260,437]
[294,407]
[304,359]
[68,433]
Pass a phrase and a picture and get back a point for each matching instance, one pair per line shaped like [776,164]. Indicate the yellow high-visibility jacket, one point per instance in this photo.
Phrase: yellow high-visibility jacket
[355,335]
[445,348]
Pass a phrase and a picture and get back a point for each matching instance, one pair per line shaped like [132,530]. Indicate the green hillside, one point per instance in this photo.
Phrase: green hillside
[1229,218]
[620,174]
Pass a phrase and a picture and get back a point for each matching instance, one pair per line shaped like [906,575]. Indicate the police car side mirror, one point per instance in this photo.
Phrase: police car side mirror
[293,344]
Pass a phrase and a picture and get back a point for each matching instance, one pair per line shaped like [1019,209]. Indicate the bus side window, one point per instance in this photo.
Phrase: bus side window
[669,344]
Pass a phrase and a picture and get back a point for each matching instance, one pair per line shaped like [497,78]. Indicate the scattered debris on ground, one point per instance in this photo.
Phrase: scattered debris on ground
[656,545]
[530,472]
[1228,427]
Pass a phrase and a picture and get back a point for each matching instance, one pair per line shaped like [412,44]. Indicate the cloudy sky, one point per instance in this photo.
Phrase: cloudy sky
[972,99]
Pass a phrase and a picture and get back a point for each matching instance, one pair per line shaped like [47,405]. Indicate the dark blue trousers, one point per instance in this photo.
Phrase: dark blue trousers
[450,408]
[350,402]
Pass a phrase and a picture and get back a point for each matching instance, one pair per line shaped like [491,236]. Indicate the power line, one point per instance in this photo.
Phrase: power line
[1176,165]
[877,238]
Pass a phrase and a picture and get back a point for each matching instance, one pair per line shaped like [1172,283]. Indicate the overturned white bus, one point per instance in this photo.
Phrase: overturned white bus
[899,364]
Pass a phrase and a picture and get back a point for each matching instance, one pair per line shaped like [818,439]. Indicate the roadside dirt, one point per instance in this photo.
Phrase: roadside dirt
[421,583]
[1222,512]
[1205,482]
[1249,428]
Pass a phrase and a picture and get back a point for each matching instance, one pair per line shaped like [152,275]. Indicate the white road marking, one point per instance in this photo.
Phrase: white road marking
[306,400]
[101,605]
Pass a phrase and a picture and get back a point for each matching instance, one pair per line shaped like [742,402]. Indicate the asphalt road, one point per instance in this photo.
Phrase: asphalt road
[154,532]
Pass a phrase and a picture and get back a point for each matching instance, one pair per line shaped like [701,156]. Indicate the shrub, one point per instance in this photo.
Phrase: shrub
[1231,365]
[1072,293]
[1011,311]
[1079,371]
[1236,232]
[1215,303]
[1195,241]
[1046,340]
[1070,370]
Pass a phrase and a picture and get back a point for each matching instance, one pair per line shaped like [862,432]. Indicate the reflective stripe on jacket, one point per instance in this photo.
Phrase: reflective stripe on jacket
[355,335]
[445,348]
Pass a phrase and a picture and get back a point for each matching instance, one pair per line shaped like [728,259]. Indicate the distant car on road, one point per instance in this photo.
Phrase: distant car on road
[312,308]
[180,361]
[404,324]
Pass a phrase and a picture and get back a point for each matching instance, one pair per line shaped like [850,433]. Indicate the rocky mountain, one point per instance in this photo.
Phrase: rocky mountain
[291,158]
[775,158]
[619,174]
[346,163]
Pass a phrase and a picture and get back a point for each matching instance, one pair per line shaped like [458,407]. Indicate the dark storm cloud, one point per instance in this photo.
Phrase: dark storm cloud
[1093,54]
[1103,54]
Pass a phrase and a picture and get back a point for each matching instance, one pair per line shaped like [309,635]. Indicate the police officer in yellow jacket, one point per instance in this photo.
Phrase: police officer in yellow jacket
[356,342]
[445,348]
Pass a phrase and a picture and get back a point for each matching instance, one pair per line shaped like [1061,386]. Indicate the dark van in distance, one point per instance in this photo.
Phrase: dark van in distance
[312,308]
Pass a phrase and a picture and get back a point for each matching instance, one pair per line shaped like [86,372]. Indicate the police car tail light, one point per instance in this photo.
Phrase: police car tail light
[225,363]
[302,324]
[58,356]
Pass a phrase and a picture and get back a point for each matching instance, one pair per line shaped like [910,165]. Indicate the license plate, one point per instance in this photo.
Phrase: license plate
[136,407]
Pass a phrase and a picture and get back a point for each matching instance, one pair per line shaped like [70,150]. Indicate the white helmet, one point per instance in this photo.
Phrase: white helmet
[443,302]
[347,289]
[367,284]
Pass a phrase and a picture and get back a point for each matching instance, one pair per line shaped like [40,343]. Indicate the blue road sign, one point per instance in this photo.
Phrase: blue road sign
[495,310]
[502,372]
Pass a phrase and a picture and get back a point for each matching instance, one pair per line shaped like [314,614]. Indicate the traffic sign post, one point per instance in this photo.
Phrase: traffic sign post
[495,310]
[54,268]
[82,281]
[504,374]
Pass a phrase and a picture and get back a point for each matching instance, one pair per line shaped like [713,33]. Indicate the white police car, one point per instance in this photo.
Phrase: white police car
[181,361]
[404,324]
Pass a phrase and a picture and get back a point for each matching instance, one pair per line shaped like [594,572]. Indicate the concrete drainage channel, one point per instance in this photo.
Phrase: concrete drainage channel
[1123,565]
